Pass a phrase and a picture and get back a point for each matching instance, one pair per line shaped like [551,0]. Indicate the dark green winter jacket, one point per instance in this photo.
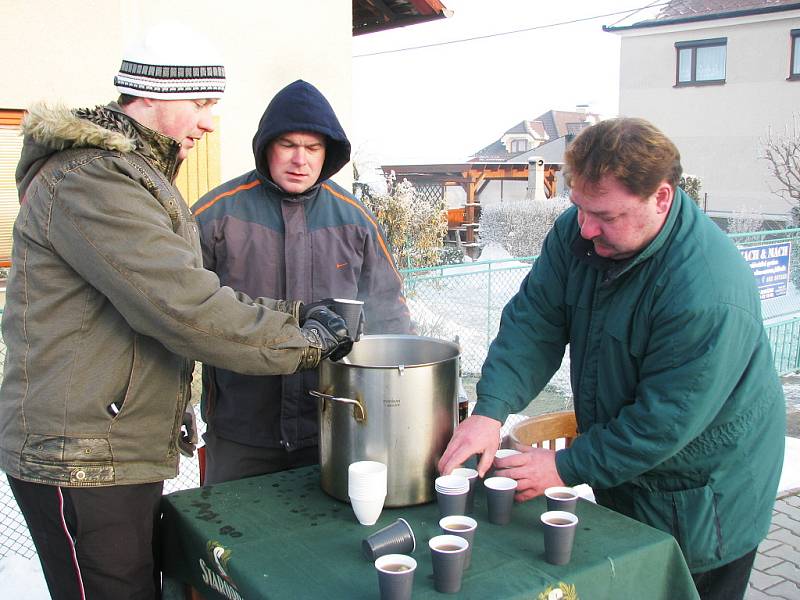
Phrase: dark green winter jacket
[680,411]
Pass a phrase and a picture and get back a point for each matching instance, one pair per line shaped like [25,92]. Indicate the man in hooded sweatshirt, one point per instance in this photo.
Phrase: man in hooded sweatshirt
[285,229]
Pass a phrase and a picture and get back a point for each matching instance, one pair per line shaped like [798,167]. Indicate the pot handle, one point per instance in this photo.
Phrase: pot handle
[359,413]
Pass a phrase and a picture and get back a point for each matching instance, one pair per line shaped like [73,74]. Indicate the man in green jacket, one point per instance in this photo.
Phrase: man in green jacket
[680,412]
[107,307]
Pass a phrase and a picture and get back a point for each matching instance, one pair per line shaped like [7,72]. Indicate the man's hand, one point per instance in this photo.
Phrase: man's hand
[187,438]
[476,435]
[326,330]
[534,470]
[307,308]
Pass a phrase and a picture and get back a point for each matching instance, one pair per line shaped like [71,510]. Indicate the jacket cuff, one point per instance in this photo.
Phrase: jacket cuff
[292,307]
[309,359]
[566,468]
[493,408]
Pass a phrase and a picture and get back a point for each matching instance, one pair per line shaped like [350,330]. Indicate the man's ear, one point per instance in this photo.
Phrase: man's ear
[664,195]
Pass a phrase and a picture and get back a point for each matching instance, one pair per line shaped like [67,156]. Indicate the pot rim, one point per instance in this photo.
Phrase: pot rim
[397,336]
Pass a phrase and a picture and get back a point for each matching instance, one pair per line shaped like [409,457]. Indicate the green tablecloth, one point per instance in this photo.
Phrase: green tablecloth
[281,536]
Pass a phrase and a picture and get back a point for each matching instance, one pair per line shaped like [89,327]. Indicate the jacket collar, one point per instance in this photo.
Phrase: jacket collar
[56,128]
[284,195]
[160,149]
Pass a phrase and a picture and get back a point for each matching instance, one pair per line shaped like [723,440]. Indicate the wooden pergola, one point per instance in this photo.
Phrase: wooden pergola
[473,178]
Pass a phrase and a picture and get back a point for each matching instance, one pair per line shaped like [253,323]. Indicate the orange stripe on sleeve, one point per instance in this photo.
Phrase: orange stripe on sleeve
[371,220]
[237,189]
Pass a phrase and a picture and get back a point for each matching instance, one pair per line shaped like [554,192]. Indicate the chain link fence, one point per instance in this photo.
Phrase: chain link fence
[464,303]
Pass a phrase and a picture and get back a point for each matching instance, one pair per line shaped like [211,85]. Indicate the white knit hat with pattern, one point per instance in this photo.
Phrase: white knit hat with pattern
[171,62]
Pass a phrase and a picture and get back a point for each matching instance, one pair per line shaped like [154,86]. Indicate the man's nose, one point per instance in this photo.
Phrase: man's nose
[206,123]
[589,227]
[299,155]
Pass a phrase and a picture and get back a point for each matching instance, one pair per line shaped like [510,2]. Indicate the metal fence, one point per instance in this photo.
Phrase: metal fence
[464,303]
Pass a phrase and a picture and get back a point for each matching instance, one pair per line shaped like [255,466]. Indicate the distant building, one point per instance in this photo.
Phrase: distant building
[716,76]
[529,135]
[500,171]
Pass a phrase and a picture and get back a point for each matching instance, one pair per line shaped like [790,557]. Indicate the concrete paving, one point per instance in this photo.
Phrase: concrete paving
[776,572]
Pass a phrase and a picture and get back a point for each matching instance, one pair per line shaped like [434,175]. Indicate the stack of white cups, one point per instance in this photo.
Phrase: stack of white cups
[366,485]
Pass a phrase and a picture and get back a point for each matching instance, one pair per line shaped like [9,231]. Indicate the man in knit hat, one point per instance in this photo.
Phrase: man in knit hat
[106,299]
[286,230]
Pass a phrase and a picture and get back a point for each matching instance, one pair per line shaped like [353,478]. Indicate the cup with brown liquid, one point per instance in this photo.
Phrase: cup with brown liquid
[561,498]
[559,535]
[463,527]
[447,555]
[395,576]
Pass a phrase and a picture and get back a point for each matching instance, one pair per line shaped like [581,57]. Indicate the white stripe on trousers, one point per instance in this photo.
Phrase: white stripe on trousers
[71,543]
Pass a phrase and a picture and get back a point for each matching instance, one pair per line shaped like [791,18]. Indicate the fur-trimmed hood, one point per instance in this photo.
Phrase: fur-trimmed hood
[51,129]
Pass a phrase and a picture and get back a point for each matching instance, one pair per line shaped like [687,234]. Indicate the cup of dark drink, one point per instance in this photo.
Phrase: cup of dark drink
[447,555]
[464,527]
[395,576]
[561,498]
[559,535]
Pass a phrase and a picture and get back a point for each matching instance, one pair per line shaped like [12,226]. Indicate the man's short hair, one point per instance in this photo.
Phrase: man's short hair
[632,151]
[125,99]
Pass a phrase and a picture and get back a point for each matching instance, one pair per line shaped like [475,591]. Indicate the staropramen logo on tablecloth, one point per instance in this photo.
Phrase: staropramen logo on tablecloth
[563,591]
[216,576]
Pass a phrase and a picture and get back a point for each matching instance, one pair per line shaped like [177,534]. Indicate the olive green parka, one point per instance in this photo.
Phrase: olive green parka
[108,303]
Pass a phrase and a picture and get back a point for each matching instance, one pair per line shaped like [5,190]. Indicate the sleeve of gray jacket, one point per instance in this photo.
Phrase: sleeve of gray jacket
[381,288]
[120,239]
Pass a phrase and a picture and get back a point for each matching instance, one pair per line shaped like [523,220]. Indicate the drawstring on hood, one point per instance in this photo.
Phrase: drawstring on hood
[301,107]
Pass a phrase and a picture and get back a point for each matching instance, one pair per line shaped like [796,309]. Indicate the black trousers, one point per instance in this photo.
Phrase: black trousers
[94,543]
[728,582]
[228,461]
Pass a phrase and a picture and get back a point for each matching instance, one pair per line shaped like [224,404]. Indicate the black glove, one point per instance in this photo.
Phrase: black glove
[326,330]
[187,438]
[307,308]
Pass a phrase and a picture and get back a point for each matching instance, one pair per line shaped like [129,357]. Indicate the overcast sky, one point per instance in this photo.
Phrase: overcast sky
[443,103]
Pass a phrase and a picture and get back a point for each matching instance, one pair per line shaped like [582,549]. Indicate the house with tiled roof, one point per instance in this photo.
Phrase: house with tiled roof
[528,135]
[717,76]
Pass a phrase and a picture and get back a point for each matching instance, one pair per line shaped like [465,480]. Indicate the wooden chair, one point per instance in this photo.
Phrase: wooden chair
[544,428]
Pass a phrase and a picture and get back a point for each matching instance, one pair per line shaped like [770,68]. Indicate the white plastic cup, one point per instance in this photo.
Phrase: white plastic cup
[367,510]
[367,479]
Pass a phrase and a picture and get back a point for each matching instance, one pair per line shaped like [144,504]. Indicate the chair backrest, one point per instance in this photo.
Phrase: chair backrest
[545,428]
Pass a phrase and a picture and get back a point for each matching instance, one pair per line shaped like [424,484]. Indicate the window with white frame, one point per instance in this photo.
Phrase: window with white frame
[794,71]
[701,62]
[520,145]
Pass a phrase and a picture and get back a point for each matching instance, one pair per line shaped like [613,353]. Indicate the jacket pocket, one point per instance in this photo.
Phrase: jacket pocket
[73,461]
[690,516]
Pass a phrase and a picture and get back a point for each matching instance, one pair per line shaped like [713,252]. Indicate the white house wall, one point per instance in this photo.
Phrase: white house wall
[70,51]
[718,128]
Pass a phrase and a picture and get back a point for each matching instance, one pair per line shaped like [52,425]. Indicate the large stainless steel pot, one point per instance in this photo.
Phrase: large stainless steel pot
[393,399]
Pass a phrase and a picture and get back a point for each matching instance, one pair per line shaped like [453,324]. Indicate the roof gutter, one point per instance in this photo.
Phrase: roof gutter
[705,17]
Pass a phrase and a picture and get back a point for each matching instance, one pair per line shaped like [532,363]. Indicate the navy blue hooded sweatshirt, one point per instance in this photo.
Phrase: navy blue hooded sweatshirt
[264,241]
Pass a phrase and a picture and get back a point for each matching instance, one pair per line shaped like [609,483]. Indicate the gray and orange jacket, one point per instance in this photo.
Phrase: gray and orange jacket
[318,244]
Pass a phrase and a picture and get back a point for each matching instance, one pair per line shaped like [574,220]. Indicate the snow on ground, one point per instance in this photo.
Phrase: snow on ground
[22,578]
